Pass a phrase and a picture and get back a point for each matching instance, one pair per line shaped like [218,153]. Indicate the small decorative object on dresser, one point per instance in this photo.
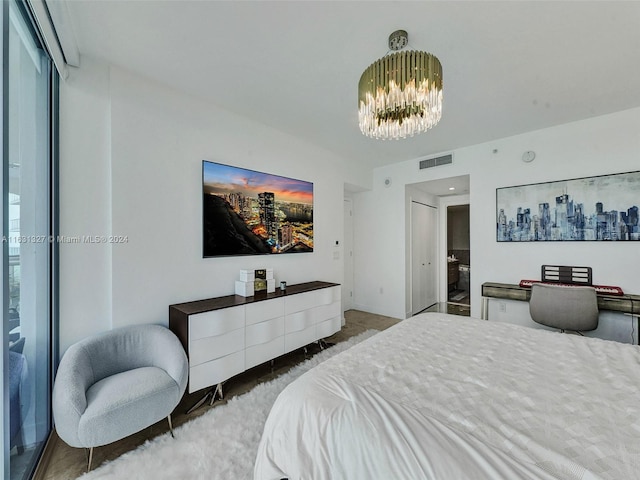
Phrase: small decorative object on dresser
[255,281]
[259,285]
[264,281]
[247,275]
[244,289]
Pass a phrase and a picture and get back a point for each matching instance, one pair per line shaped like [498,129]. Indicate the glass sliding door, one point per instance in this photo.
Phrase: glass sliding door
[27,242]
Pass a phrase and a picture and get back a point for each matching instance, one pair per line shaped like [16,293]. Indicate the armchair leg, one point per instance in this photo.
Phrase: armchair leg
[90,459]
[170,426]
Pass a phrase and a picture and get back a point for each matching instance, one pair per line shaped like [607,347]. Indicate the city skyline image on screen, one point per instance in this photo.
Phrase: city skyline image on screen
[246,212]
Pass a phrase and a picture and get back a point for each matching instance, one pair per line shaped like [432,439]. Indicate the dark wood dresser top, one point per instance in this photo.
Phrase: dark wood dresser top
[207,305]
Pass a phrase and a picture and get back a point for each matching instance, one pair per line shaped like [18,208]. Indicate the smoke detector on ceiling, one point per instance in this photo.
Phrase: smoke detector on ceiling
[528,156]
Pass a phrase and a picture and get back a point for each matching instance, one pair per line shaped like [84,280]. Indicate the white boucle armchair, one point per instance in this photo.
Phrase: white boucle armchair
[116,383]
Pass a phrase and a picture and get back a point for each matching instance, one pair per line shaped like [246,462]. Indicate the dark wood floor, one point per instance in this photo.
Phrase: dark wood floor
[452,308]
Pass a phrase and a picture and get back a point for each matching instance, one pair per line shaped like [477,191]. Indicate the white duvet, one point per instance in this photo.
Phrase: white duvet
[447,397]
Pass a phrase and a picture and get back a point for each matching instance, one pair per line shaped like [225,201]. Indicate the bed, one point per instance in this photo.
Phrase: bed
[445,397]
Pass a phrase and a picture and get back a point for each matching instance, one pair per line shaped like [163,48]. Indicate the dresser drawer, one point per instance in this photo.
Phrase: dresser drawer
[216,322]
[324,312]
[264,352]
[298,321]
[215,371]
[327,328]
[210,348]
[264,332]
[265,310]
[299,338]
[305,301]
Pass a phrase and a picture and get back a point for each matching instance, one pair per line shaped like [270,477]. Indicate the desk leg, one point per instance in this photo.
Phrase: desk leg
[635,328]
[484,310]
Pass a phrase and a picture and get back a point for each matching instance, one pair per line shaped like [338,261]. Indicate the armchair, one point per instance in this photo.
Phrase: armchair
[117,383]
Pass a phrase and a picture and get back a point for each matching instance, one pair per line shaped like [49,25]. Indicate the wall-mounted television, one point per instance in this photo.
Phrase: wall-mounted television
[245,212]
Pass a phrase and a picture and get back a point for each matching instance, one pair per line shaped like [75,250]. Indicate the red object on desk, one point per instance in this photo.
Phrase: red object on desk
[603,289]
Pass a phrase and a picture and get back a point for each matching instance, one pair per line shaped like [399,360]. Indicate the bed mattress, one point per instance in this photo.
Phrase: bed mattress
[445,397]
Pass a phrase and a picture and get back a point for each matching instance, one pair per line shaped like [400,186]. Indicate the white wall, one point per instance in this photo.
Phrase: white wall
[598,146]
[131,164]
[379,248]
[85,202]
[131,153]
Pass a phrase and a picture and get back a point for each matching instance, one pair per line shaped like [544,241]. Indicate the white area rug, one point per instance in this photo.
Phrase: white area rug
[221,444]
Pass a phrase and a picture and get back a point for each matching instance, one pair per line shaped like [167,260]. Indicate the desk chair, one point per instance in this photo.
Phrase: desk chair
[573,308]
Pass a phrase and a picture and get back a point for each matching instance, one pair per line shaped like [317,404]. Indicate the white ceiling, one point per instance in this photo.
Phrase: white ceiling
[509,67]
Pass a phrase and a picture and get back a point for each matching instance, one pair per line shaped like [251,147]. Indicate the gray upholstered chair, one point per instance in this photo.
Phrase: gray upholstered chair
[573,308]
[117,383]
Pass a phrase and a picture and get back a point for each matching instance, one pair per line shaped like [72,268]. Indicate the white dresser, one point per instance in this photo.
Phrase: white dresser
[225,336]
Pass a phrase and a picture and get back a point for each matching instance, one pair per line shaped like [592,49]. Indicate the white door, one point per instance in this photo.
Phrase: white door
[423,256]
[347,284]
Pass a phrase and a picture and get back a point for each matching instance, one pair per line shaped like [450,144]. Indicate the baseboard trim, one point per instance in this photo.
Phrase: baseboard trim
[47,453]
[375,311]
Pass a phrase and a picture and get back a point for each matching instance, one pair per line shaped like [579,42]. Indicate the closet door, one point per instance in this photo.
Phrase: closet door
[423,256]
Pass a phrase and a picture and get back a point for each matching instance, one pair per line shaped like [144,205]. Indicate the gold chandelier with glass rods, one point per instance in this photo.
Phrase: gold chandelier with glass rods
[400,95]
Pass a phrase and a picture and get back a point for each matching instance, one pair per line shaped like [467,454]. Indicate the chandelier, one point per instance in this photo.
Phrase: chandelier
[400,94]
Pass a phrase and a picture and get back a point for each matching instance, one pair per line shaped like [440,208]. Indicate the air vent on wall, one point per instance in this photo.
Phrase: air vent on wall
[436,162]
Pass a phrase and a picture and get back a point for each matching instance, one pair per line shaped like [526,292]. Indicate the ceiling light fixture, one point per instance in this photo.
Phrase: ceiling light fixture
[400,95]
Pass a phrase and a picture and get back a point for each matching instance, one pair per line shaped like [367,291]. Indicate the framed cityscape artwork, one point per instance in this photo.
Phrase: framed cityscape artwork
[253,213]
[603,208]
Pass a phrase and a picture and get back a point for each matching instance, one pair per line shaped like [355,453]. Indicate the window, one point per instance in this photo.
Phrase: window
[28,95]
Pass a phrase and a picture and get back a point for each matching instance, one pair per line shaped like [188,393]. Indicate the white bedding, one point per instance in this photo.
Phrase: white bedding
[447,397]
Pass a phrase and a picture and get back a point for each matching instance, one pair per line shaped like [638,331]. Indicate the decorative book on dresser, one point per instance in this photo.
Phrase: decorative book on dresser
[225,336]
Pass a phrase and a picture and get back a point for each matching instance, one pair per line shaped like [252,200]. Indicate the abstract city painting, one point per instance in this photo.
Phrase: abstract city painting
[603,208]
[252,213]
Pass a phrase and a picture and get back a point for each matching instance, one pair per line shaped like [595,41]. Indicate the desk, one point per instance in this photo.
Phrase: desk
[616,303]
[621,304]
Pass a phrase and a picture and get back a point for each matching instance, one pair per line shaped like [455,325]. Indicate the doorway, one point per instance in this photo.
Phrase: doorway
[458,255]
[424,221]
